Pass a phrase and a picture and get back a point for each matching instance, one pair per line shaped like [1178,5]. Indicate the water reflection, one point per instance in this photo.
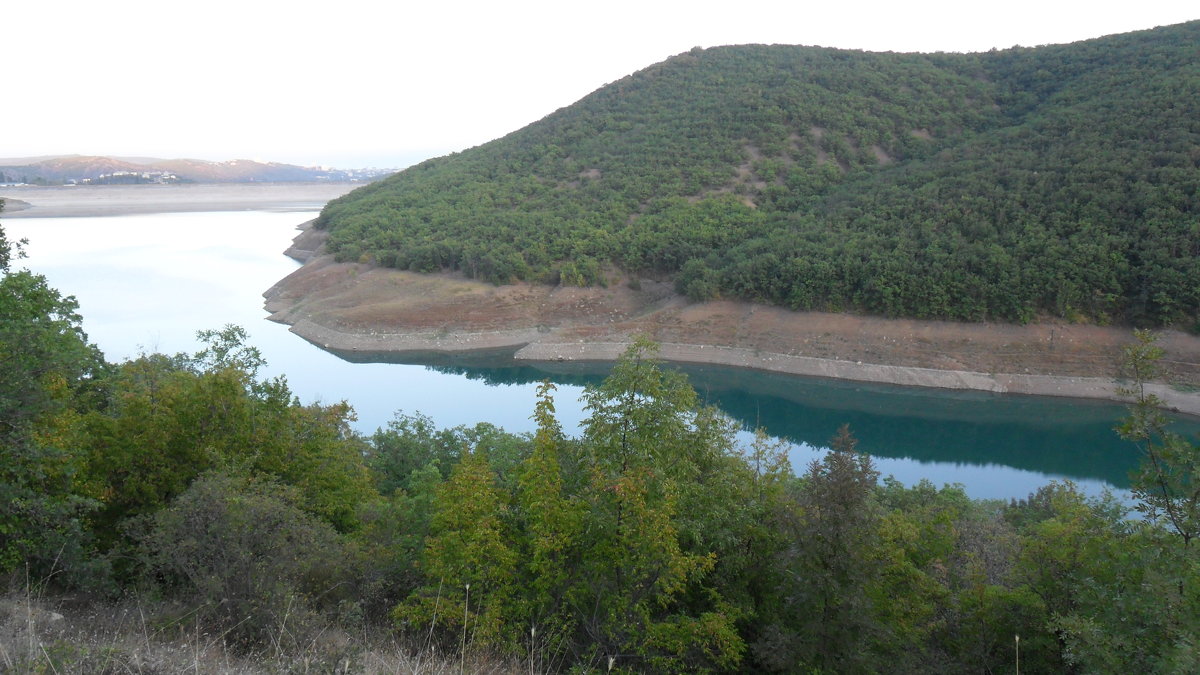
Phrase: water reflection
[1049,436]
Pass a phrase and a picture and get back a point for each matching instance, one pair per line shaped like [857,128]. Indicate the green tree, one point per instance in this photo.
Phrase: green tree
[634,574]
[1167,482]
[228,348]
[1109,589]
[828,619]
[46,368]
[411,442]
[468,563]
[643,440]
[639,416]
[553,523]
[1166,487]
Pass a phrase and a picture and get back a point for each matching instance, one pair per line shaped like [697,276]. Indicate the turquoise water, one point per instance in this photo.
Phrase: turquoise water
[997,445]
[149,282]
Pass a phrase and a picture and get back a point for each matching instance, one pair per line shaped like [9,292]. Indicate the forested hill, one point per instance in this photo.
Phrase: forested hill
[1059,180]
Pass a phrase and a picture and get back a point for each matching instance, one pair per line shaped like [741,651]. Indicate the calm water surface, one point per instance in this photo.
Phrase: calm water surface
[149,282]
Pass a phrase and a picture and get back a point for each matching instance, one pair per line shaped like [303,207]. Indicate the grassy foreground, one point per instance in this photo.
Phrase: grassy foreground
[67,634]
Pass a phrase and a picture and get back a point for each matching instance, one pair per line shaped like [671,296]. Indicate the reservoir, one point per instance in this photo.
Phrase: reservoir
[148,282]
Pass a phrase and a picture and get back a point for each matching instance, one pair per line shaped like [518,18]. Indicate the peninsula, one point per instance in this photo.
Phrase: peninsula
[993,221]
[354,307]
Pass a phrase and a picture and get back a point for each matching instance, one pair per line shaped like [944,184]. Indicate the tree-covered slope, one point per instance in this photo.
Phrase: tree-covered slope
[1061,180]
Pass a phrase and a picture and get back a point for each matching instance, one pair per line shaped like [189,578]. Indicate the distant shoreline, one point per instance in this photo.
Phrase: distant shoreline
[85,201]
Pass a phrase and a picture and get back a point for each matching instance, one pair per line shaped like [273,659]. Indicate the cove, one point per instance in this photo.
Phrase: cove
[149,282]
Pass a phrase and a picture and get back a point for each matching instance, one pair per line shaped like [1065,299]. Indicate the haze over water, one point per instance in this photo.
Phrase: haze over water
[149,282]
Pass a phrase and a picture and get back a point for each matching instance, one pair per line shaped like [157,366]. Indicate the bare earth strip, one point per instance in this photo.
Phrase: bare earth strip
[353,307]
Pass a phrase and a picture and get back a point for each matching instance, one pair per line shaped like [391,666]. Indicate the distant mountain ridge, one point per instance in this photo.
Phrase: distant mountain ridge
[1059,181]
[57,170]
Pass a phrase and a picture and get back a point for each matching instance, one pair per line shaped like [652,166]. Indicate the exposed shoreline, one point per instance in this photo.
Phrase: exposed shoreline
[356,308]
[907,376]
[539,345]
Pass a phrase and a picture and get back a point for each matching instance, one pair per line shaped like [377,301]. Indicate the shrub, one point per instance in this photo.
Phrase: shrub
[256,566]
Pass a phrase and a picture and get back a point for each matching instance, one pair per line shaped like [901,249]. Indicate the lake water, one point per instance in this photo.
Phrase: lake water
[149,282]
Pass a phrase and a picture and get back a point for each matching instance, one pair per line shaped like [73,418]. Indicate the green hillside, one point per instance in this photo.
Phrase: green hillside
[1060,180]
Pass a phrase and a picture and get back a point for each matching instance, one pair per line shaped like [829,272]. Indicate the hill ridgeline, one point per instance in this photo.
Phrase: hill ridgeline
[1058,181]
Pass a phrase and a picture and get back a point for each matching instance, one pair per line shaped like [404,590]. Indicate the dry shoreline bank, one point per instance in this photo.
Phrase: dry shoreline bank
[359,308]
[529,346]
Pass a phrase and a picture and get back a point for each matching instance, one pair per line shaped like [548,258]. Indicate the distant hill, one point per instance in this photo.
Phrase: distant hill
[1030,182]
[101,170]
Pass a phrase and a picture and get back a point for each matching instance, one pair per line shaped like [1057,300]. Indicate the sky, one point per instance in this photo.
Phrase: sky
[352,84]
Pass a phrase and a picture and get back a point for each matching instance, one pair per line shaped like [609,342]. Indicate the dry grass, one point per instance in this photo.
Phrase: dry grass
[62,635]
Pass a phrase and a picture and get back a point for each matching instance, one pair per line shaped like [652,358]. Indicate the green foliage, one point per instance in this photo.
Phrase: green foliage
[227,349]
[1067,561]
[655,519]
[1167,483]
[587,550]
[468,563]
[409,461]
[633,569]
[1111,629]
[412,442]
[833,532]
[391,540]
[46,365]
[639,416]
[170,419]
[552,523]
[1059,180]
[245,553]
[654,542]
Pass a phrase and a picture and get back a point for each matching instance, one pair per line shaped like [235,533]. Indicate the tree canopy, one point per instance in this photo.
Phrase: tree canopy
[1059,180]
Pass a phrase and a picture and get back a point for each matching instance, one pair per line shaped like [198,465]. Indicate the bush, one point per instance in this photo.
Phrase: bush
[256,566]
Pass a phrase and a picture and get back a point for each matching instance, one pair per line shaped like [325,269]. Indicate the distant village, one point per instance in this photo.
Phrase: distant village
[166,177]
[126,178]
[12,176]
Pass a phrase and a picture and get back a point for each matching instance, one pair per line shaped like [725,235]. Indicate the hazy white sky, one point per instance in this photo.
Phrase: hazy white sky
[351,83]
